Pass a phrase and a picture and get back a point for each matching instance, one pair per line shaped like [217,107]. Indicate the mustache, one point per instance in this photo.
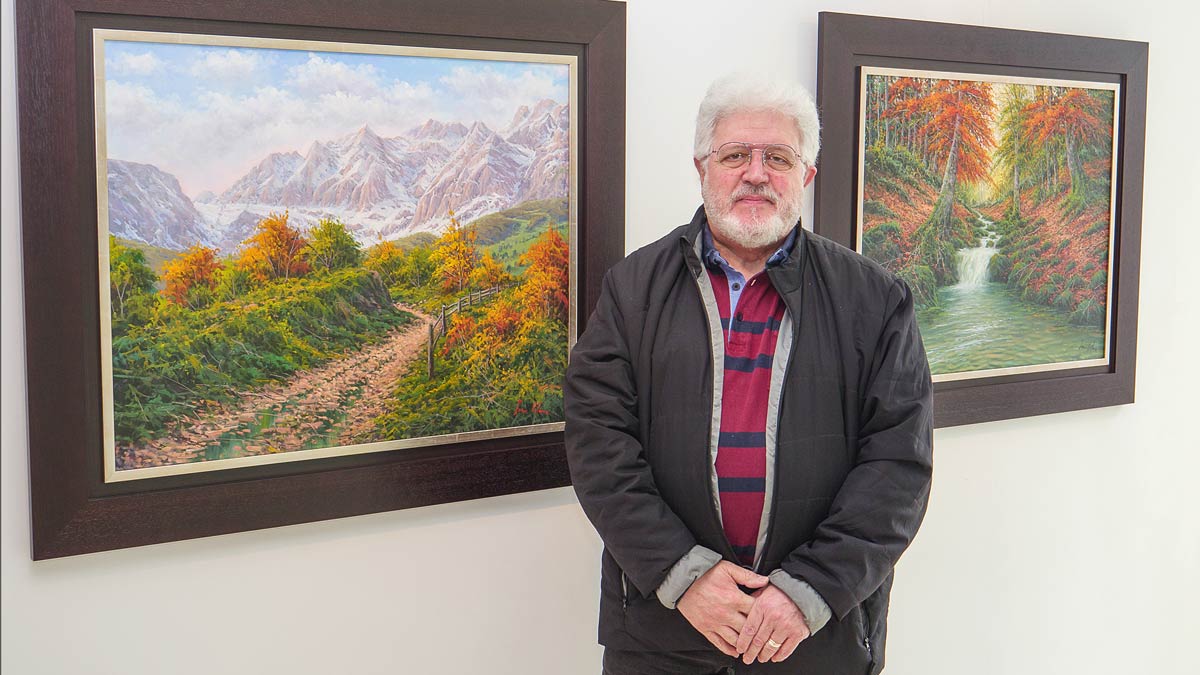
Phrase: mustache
[762,190]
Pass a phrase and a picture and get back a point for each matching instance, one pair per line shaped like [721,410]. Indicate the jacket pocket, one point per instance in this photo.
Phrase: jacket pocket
[865,618]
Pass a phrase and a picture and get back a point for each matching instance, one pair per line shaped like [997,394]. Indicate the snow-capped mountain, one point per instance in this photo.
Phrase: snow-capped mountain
[379,187]
[385,187]
[146,204]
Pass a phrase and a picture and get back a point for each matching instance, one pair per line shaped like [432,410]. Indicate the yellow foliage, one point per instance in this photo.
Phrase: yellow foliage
[275,251]
[455,255]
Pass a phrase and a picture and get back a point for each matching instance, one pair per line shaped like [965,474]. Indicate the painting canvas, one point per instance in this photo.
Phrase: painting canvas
[993,198]
[311,249]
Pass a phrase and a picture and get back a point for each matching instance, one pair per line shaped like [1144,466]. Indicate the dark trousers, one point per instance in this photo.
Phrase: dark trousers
[708,662]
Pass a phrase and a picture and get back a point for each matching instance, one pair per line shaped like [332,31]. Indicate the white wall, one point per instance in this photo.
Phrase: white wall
[1062,544]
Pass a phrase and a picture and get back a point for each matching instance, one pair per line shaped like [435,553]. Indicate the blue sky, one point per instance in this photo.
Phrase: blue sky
[209,113]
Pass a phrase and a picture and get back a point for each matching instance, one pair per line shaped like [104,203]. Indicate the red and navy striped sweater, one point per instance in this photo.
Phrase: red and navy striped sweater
[751,314]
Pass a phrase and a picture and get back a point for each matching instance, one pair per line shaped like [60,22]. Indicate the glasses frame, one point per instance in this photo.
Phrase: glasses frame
[761,148]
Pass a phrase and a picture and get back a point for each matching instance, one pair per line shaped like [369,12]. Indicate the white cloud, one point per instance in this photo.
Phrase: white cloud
[488,94]
[230,64]
[130,108]
[210,138]
[138,65]
[319,76]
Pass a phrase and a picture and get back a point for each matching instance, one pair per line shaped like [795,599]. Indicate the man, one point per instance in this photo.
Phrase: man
[748,421]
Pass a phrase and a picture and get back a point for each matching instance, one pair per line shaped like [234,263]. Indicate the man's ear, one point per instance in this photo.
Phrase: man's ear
[810,175]
[699,167]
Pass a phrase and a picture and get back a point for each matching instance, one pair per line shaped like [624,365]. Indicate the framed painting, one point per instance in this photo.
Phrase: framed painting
[998,173]
[306,266]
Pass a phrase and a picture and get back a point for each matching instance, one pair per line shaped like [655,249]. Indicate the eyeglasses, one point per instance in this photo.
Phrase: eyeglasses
[776,157]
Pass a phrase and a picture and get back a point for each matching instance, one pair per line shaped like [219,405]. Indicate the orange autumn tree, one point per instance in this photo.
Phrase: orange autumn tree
[275,251]
[905,97]
[545,289]
[959,136]
[191,277]
[1072,116]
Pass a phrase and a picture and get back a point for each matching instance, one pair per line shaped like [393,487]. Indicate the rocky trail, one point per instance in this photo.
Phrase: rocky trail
[330,405]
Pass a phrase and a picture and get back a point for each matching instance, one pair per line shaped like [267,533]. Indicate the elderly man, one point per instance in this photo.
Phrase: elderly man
[748,421]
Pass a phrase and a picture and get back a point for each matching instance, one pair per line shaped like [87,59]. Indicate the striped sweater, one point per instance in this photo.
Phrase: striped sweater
[751,314]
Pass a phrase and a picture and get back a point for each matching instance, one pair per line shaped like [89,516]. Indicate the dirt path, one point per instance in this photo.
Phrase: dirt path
[333,404]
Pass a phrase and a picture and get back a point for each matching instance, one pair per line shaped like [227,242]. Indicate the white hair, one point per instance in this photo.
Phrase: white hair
[741,92]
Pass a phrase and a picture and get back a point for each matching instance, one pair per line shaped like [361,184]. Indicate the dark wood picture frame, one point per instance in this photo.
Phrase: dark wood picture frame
[73,510]
[847,42]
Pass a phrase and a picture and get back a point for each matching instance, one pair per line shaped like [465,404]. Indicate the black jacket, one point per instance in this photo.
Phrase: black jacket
[853,459]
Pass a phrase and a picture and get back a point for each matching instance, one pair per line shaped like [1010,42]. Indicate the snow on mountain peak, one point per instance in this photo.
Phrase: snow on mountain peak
[407,183]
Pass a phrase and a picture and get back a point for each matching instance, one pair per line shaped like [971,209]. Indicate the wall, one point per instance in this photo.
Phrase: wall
[1061,544]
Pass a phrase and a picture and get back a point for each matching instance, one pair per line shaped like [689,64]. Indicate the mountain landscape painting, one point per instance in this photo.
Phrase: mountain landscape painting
[316,249]
[993,199]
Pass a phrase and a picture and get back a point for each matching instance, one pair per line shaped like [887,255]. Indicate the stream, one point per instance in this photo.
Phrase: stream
[980,324]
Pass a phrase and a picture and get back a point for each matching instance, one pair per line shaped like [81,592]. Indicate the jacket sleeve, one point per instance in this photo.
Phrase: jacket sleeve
[875,514]
[608,465]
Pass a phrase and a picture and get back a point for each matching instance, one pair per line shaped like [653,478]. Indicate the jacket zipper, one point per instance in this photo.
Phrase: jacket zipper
[624,591]
[866,625]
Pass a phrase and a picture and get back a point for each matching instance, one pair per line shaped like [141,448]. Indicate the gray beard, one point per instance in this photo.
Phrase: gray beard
[757,233]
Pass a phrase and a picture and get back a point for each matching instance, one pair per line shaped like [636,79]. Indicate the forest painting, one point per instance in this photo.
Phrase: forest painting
[993,199]
[314,249]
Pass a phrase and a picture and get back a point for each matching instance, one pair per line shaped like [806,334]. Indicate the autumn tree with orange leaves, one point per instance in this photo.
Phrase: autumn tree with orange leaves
[191,277]
[1073,116]
[545,288]
[958,135]
[275,251]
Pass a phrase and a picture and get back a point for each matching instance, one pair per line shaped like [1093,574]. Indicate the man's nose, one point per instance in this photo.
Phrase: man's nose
[756,169]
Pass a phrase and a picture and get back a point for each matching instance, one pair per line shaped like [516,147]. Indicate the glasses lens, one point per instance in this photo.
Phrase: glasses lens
[779,157]
[733,155]
[775,157]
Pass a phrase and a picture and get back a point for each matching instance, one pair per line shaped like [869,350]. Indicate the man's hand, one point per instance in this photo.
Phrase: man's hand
[716,607]
[774,618]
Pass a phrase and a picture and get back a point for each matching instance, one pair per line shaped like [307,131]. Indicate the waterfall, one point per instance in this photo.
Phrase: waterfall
[973,262]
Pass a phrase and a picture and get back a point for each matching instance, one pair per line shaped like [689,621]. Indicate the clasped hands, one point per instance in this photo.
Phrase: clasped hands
[764,625]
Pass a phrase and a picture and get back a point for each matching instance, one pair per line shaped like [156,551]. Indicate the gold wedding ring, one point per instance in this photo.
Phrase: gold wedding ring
[774,644]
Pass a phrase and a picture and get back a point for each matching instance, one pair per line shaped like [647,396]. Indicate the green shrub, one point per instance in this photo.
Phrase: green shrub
[163,370]
[1088,313]
[874,208]
[880,244]
[922,282]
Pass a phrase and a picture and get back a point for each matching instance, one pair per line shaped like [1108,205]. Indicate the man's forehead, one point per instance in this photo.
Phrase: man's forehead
[767,126]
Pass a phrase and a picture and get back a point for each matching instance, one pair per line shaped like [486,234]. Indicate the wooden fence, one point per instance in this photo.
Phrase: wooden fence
[438,328]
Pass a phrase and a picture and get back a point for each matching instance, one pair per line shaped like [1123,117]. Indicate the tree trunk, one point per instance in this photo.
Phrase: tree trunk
[1016,187]
[944,208]
[1075,167]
